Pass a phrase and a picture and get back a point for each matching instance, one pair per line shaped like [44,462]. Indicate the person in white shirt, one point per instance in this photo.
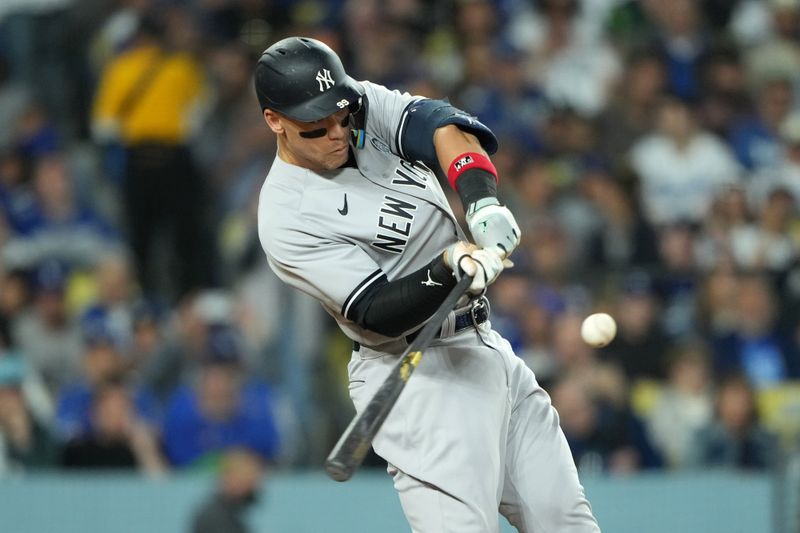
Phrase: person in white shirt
[680,167]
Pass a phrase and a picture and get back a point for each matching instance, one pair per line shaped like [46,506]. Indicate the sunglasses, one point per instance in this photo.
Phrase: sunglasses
[321,132]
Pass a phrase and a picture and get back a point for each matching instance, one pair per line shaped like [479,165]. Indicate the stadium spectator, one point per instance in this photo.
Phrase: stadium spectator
[717,302]
[14,298]
[150,361]
[147,99]
[233,144]
[173,348]
[755,346]
[15,97]
[36,135]
[113,299]
[776,55]
[25,412]
[725,98]
[755,138]
[17,203]
[786,174]
[631,111]
[511,297]
[572,356]
[641,344]
[766,244]
[683,406]
[734,438]
[102,363]
[621,237]
[543,199]
[727,215]
[47,335]
[115,439]
[239,482]
[535,320]
[575,68]
[548,255]
[603,436]
[680,38]
[57,225]
[535,192]
[677,279]
[680,167]
[222,409]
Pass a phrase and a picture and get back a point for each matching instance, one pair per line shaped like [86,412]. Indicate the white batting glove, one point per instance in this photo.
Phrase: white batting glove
[493,226]
[483,265]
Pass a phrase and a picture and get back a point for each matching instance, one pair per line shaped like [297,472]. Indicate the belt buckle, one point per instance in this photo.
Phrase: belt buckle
[479,304]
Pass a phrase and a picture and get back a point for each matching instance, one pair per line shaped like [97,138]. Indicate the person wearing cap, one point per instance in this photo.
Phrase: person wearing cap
[102,362]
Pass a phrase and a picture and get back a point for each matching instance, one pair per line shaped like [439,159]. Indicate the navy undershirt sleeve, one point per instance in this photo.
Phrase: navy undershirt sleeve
[393,307]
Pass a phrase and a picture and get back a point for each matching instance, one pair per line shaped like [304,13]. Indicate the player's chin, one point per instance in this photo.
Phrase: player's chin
[337,159]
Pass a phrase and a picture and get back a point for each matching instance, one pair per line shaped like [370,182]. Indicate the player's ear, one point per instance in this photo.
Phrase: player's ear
[273,121]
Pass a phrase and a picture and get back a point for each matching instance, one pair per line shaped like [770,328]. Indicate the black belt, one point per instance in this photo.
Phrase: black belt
[474,316]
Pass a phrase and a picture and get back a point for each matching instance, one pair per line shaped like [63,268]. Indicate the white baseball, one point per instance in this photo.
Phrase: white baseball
[598,329]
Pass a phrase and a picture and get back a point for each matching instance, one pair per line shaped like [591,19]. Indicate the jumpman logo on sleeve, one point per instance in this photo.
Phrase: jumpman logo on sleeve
[429,282]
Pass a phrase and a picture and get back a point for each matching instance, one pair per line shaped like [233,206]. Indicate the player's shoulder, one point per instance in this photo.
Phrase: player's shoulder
[378,95]
[279,202]
[372,89]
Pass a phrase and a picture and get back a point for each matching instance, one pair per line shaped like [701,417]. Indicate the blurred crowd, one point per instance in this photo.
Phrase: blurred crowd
[649,149]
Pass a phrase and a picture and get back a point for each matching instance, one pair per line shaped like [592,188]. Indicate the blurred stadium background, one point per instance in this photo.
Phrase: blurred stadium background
[149,361]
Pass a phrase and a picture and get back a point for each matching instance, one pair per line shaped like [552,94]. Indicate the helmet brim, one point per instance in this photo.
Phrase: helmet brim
[344,93]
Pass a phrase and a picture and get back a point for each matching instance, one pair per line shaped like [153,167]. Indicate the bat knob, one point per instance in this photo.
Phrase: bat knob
[338,471]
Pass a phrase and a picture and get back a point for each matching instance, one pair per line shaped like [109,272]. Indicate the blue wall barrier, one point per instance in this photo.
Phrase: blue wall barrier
[311,503]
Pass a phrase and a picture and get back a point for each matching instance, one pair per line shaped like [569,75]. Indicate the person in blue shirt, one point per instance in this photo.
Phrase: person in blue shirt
[756,346]
[754,139]
[50,221]
[102,363]
[220,410]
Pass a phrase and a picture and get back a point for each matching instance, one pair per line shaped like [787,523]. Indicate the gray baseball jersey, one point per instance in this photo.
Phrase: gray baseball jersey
[334,233]
[473,432]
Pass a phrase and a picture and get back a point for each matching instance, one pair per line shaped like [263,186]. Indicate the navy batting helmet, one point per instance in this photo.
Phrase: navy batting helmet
[304,79]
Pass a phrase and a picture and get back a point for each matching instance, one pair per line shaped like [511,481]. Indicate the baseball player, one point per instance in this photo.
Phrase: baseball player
[352,214]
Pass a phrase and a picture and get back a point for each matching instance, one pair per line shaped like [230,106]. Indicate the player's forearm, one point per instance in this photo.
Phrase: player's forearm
[466,163]
[451,141]
[392,308]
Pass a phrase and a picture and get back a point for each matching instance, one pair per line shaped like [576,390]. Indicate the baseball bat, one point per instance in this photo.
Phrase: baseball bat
[356,440]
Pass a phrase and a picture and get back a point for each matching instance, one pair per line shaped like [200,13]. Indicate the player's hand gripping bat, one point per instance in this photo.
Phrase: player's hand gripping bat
[356,440]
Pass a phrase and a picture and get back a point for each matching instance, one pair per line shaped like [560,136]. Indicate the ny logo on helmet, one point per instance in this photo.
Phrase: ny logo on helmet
[324,76]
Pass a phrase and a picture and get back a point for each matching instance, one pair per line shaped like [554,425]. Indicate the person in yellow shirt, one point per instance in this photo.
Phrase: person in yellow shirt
[149,99]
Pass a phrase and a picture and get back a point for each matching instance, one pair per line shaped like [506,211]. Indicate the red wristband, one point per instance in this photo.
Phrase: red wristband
[468,161]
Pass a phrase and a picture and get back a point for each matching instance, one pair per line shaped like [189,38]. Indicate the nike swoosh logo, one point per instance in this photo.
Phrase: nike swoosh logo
[343,210]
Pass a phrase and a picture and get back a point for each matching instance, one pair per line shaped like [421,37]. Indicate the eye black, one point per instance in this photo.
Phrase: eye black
[320,132]
[314,134]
